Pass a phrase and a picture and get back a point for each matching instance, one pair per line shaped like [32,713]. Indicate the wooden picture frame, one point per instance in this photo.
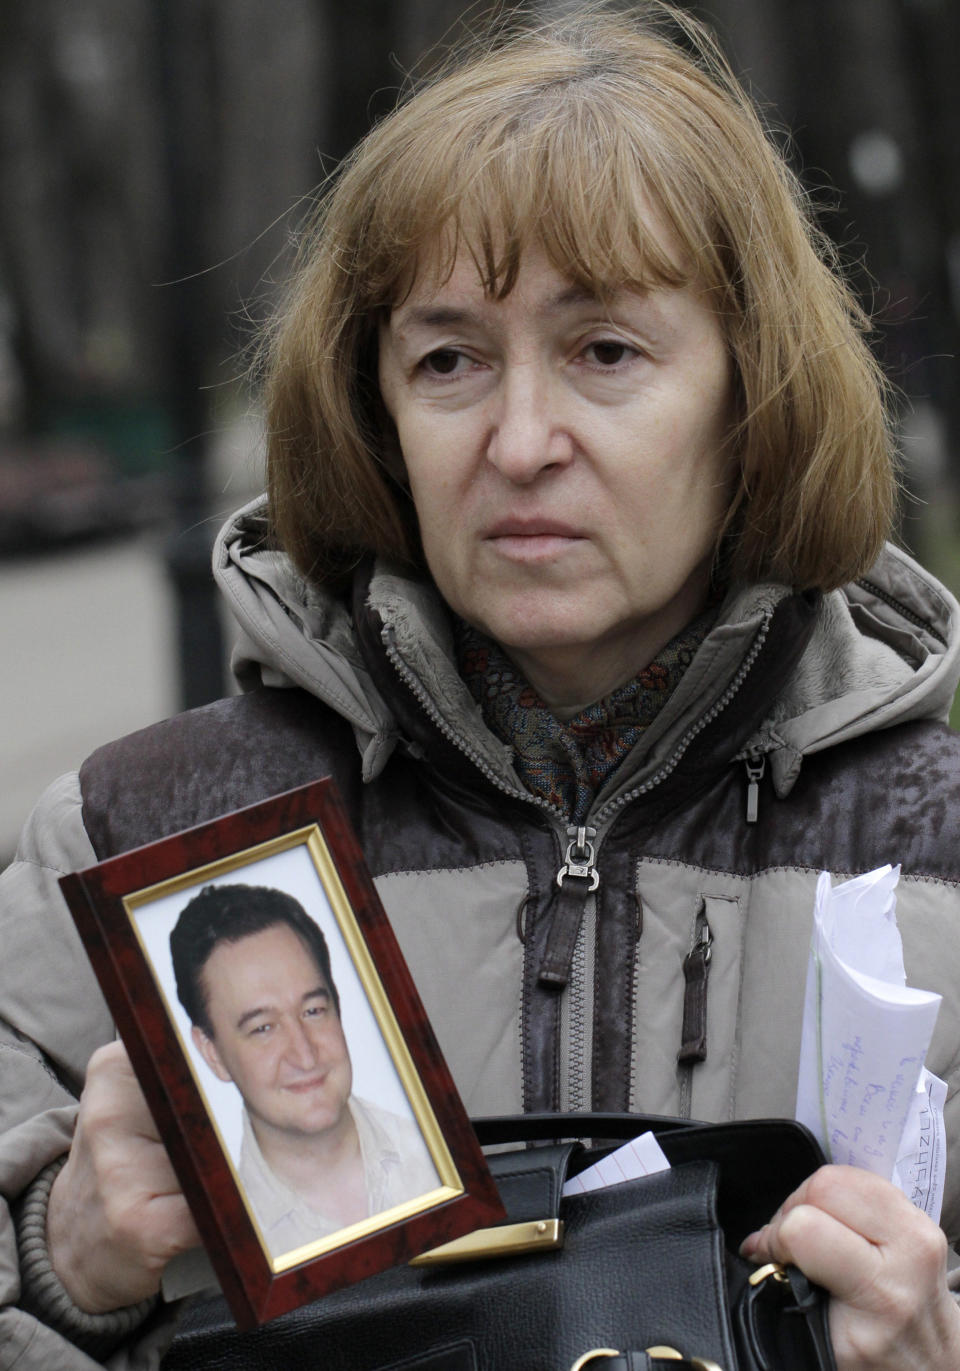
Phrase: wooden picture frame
[413,1131]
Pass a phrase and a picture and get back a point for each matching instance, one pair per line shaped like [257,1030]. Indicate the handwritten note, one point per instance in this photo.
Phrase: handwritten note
[863,1089]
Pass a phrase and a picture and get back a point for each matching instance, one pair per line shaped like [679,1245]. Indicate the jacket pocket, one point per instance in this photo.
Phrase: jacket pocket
[689,957]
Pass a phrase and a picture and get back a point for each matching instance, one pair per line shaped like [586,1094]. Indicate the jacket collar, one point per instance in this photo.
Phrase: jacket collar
[884,651]
[407,643]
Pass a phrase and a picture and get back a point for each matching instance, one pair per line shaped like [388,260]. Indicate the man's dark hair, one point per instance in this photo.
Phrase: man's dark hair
[225,914]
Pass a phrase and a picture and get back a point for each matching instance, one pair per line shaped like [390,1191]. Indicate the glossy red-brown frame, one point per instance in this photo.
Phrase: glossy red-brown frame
[100,900]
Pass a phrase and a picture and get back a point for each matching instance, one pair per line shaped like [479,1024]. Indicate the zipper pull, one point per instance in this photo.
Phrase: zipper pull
[577,878]
[579,858]
[756,766]
[696,973]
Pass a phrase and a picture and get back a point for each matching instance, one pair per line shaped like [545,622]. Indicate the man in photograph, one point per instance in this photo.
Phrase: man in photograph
[253,974]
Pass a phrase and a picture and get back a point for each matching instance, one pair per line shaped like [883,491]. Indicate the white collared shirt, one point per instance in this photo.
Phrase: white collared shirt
[396,1166]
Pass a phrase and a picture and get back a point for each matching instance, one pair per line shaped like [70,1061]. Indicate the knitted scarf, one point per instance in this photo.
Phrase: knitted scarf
[566,762]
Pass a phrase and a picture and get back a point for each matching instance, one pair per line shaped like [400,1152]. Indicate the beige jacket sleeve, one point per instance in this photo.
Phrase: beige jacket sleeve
[52,1018]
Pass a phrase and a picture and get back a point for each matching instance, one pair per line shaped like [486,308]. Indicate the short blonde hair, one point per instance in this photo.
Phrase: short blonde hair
[563,134]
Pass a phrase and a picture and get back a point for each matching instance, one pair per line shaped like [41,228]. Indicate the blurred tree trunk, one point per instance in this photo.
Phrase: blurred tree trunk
[81,210]
[869,87]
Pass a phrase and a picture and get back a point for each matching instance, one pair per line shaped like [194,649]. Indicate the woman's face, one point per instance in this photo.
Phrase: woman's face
[568,463]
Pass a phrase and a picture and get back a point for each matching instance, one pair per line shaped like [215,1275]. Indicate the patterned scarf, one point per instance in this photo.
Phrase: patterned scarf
[566,762]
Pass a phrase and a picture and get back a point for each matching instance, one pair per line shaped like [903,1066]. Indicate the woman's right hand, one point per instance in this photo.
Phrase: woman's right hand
[116,1214]
[883,1261]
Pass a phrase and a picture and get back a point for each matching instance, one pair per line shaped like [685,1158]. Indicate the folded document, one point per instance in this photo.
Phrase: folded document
[863,1088]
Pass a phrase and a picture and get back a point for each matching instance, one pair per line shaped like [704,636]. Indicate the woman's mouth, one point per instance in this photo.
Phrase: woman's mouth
[537,539]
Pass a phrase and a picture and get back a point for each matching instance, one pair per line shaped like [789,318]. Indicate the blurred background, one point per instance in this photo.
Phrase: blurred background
[156,157]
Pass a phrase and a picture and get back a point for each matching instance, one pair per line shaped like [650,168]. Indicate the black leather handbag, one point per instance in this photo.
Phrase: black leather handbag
[643,1276]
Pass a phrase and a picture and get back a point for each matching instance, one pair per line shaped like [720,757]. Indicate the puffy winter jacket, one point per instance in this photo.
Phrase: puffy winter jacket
[807,734]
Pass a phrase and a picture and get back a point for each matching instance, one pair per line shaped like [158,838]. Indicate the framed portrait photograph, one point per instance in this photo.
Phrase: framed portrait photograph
[283,1050]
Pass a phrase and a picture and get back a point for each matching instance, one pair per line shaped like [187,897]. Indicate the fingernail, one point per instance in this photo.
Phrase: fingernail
[750,1243]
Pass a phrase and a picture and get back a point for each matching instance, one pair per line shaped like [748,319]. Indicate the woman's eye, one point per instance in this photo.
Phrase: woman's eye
[443,362]
[609,352]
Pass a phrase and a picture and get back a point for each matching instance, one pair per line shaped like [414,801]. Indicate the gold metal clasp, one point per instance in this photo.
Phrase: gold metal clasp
[506,1240]
[764,1273]
[597,1353]
[661,1352]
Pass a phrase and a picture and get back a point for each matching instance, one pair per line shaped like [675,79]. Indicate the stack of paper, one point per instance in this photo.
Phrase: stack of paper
[863,1087]
[641,1156]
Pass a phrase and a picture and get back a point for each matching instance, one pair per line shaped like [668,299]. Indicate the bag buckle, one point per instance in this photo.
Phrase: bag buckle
[764,1273]
[662,1353]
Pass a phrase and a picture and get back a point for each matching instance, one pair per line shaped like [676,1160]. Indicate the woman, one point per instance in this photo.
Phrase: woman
[573,576]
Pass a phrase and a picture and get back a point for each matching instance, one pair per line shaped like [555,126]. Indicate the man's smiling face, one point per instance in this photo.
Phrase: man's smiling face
[276,1033]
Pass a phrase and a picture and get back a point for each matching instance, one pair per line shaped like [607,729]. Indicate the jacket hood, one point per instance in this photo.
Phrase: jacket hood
[290,633]
[885,650]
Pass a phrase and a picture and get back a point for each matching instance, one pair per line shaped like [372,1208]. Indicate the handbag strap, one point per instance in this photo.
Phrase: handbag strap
[783,1320]
[525,1128]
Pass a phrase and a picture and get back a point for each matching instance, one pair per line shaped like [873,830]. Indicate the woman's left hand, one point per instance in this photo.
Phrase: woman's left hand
[882,1260]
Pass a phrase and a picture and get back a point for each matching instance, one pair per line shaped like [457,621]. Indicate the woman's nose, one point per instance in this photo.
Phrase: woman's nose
[527,432]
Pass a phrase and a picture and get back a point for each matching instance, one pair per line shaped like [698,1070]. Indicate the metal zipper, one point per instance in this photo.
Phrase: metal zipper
[579,860]
[715,710]
[577,878]
[614,806]
[388,637]
[756,765]
[577,853]
[576,1034]
[910,615]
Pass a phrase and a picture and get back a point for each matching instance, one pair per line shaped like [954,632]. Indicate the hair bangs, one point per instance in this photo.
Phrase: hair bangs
[566,174]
